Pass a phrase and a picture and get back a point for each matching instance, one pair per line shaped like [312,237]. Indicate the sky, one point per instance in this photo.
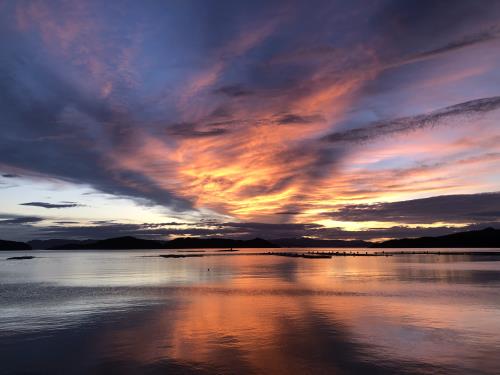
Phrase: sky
[327,119]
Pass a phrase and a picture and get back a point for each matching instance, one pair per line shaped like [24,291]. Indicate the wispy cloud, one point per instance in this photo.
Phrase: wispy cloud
[19,220]
[490,34]
[461,208]
[52,205]
[233,91]
[403,124]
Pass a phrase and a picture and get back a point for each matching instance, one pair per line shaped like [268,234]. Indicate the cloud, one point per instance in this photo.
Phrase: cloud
[233,91]
[291,118]
[19,220]
[399,231]
[107,229]
[10,175]
[461,208]
[405,124]
[234,230]
[191,130]
[287,213]
[52,205]
[468,40]
[189,120]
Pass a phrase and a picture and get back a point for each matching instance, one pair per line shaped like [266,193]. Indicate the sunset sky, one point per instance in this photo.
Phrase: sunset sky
[329,119]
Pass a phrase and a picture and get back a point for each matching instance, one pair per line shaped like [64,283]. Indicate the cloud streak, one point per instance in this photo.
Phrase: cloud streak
[51,205]
[461,208]
[405,124]
[467,41]
[20,220]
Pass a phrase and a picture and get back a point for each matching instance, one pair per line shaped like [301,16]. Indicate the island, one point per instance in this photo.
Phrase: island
[488,237]
[13,245]
[129,243]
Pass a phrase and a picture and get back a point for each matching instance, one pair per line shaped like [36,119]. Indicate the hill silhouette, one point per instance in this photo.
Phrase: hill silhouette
[118,243]
[13,245]
[129,242]
[196,243]
[488,237]
[47,244]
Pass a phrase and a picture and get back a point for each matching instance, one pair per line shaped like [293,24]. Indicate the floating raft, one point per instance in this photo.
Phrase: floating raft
[331,254]
[301,255]
[433,252]
[324,254]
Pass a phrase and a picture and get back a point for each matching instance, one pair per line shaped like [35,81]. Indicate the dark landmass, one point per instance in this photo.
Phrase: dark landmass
[21,258]
[118,243]
[488,237]
[47,244]
[228,250]
[13,245]
[196,243]
[123,243]
[311,242]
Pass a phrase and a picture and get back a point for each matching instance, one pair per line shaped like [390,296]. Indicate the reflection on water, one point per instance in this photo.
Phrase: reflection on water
[121,312]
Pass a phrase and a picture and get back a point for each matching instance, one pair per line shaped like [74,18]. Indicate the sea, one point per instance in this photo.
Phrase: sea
[134,312]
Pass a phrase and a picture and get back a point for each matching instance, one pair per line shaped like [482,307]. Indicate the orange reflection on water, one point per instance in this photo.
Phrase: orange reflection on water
[293,316]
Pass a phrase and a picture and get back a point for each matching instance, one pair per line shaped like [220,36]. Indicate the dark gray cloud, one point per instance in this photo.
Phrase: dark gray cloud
[399,231]
[287,213]
[405,124]
[468,40]
[19,220]
[51,205]
[291,118]
[192,130]
[462,208]
[106,229]
[9,175]
[233,91]
[61,129]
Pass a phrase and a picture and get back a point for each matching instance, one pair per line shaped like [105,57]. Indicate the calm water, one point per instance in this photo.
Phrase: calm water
[123,312]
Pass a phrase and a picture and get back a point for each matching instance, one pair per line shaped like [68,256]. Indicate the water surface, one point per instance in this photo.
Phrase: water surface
[132,312]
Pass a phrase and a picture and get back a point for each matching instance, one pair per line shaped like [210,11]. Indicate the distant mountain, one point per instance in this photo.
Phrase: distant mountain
[118,243]
[47,244]
[311,242]
[178,243]
[488,237]
[197,243]
[13,245]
